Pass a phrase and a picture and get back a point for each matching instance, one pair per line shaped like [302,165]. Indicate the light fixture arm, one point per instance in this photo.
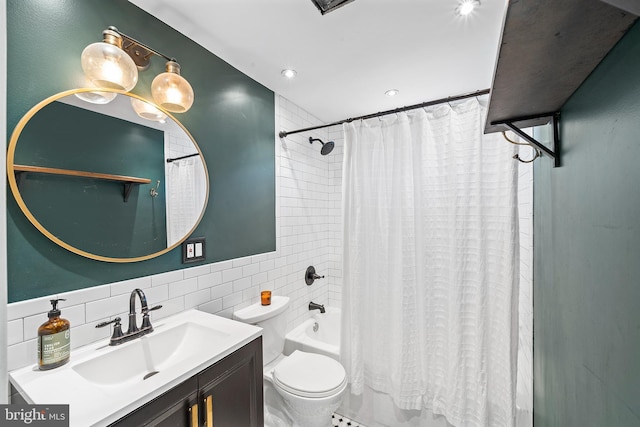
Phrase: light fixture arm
[138,51]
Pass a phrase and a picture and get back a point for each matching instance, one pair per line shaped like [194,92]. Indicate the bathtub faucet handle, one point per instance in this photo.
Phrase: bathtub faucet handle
[314,306]
[310,275]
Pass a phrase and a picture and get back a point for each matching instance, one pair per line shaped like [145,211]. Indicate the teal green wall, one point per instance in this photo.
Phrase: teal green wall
[587,254]
[232,119]
[76,209]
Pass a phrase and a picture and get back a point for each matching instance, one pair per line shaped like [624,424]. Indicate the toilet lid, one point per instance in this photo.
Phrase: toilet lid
[309,375]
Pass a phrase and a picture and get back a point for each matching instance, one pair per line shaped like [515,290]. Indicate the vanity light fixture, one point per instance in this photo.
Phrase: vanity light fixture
[107,65]
[465,7]
[114,64]
[96,97]
[171,91]
[147,111]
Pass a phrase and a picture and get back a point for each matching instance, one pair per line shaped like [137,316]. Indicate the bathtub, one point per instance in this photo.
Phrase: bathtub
[319,334]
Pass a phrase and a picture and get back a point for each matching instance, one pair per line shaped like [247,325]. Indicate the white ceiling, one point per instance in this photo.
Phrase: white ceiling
[348,58]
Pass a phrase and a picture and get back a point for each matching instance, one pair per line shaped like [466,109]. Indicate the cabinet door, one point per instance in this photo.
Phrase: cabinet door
[172,408]
[231,390]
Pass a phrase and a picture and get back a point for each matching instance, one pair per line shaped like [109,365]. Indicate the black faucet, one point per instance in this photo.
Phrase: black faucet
[133,323]
[133,331]
[314,306]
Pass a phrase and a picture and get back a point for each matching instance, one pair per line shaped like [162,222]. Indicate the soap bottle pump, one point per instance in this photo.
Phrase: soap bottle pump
[54,344]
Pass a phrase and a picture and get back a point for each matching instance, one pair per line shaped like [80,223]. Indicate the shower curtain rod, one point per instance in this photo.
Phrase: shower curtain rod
[283,134]
[182,157]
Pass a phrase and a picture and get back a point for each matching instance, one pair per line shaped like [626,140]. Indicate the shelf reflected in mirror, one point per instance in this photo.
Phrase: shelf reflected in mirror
[101,163]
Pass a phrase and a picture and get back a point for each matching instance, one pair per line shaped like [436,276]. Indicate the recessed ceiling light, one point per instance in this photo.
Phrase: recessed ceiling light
[392,92]
[465,7]
[288,73]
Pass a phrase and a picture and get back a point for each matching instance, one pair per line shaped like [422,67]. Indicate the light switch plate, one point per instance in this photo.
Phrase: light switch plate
[194,249]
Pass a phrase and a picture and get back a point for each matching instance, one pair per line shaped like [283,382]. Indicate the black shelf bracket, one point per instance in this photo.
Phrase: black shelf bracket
[128,186]
[555,119]
[19,178]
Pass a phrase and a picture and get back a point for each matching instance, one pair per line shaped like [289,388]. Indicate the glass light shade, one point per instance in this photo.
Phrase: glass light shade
[108,66]
[171,91]
[147,111]
[97,97]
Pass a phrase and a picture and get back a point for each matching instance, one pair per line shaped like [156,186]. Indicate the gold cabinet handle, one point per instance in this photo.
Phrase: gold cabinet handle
[209,404]
[194,415]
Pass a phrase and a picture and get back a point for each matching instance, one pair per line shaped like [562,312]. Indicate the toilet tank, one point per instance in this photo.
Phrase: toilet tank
[272,319]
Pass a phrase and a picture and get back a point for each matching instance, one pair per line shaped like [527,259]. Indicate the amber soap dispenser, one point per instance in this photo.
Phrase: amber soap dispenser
[54,339]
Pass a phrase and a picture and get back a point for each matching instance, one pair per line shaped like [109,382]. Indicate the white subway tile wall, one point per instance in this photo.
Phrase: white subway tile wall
[307,233]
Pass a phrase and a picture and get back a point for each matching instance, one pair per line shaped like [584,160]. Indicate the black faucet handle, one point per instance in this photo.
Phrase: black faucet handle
[146,311]
[146,323]
[310,275]
[117,328]
[116,320]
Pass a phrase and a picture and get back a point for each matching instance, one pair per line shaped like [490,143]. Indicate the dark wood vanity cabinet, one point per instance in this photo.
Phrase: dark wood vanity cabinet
[232,389]
[226,394]
[169,409]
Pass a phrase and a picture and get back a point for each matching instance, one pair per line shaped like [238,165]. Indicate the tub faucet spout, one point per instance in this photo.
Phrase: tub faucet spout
[314,306]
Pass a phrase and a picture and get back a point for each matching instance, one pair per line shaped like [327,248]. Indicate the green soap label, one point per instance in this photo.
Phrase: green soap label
[54,348]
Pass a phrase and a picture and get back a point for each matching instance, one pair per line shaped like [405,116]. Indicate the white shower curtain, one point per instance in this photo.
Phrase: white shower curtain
[186,193]
[430,263]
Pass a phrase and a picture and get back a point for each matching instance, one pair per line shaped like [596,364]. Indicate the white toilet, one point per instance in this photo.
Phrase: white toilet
[311,385]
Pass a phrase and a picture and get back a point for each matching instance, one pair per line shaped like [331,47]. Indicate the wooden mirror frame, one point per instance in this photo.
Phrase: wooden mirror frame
[13,184]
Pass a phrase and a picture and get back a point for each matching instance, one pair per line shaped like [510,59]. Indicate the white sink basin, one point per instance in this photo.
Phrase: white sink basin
[102,383]
[148,355]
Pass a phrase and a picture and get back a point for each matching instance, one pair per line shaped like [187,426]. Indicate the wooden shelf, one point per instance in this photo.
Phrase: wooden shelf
[127,181]
[548,48]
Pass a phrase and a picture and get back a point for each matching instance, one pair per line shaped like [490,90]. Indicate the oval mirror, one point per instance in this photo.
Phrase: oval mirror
[105,181]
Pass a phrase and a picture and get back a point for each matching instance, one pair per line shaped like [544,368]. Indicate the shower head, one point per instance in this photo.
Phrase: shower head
[326,147]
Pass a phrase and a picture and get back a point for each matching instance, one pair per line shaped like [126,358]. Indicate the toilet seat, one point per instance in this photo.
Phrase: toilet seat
[310,375]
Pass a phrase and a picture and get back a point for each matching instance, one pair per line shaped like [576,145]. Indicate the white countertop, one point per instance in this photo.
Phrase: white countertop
[99,404]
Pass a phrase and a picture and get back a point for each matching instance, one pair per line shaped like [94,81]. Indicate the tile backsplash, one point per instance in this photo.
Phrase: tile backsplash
[307,233]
